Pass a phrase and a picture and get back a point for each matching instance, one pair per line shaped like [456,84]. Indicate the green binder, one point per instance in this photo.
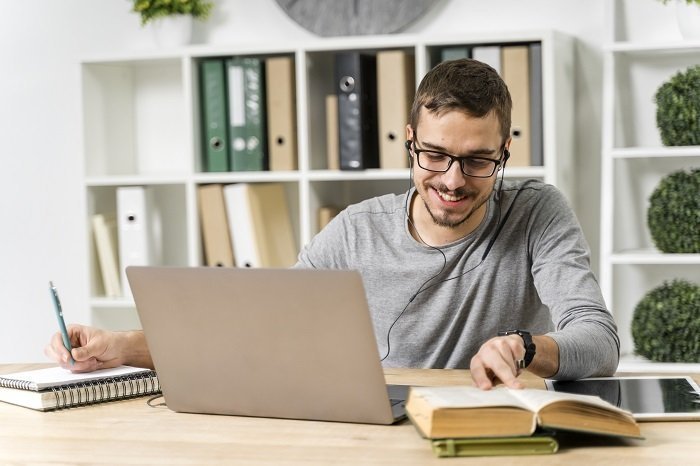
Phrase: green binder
[453,53]
[213,103]
[247,119]
[497,446]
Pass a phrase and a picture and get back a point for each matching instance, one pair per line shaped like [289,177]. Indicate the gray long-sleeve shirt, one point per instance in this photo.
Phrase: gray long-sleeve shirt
[435,308]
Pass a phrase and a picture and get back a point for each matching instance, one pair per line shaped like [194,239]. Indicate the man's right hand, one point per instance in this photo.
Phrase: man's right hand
[95,348]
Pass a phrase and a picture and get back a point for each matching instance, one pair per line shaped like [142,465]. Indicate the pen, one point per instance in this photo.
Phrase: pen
[61,324]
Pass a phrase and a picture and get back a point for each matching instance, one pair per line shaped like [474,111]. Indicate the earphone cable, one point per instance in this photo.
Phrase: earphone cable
[423,286]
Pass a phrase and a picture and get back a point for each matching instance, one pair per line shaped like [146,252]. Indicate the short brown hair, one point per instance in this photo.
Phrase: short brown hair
[465,85]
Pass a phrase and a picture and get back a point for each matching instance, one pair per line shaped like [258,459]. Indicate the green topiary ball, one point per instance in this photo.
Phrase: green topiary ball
[678,108]
[666,323]
[673,215]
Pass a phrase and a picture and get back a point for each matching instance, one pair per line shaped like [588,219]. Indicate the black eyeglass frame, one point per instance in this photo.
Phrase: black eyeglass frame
[461,160]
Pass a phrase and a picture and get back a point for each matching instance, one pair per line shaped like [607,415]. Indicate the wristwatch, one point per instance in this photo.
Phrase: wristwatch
[527,341]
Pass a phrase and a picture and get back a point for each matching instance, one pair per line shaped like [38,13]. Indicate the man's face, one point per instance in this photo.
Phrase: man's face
[454,203]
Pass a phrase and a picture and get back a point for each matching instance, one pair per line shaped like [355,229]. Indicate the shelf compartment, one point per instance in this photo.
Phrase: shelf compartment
[636,79]
[637,178]
[134,118]
[167,222]
[632,282]
[341,193]
[321,83]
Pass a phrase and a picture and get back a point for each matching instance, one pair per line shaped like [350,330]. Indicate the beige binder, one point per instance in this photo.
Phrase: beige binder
[104,227]
[326,214]
[272,225]
[260,225]
[332,141]
[515,68]
[281,113]
[214,226]
[396,85]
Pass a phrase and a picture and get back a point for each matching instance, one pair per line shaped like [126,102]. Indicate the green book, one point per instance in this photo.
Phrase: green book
[247,119]
[495,446]
[213,103]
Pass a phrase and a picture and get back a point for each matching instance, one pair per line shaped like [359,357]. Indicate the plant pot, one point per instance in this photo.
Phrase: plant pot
[172,31]
[688,16]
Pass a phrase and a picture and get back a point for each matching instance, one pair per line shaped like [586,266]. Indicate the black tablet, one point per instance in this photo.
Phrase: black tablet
[646,397]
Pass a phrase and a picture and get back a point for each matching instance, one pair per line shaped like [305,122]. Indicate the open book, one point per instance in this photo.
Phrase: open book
[462,411]
[57,388]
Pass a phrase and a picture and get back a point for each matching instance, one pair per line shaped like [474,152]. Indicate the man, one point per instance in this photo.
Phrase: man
[464,270]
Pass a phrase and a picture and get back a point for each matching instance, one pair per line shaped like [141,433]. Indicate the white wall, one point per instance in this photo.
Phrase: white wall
[43,230]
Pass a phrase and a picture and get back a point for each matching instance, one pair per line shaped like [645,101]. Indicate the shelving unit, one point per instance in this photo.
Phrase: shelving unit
[141,127]
[633,162]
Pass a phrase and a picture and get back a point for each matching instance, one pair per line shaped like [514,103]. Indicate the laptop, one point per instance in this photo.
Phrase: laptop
[280,343]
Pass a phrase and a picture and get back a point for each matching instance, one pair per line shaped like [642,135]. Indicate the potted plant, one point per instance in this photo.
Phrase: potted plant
[678,108]
[673,215]
[688,17]
[666,323]
[172,19]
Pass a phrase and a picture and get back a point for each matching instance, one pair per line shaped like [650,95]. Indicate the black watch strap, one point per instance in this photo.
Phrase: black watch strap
[530,347]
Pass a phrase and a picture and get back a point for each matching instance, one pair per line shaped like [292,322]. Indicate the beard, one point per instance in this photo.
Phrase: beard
[445,219]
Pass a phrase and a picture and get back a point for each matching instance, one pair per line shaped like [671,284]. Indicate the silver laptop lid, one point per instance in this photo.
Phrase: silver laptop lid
[284,343]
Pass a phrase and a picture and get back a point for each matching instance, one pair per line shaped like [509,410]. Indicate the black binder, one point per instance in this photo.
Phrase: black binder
[356,87]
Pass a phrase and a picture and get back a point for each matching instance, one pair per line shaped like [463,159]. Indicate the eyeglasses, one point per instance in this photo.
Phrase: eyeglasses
[435,161]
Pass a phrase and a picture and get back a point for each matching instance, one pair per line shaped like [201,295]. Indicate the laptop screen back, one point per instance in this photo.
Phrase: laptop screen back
[284,343]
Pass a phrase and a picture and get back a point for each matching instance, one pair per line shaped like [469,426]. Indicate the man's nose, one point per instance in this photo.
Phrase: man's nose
[453,178]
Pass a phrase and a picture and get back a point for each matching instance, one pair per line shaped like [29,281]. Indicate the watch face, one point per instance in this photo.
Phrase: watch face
[350,17]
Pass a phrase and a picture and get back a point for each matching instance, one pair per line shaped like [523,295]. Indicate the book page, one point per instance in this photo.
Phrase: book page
[462,396]
[537,399]
[57,376]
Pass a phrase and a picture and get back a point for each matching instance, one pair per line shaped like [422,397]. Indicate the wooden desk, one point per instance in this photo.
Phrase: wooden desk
[131,432]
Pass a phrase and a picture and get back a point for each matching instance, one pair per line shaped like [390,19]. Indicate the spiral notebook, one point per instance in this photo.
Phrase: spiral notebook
[57,388]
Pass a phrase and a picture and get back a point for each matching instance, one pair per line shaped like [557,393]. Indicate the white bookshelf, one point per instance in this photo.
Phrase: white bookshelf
[141,127]
[633,162]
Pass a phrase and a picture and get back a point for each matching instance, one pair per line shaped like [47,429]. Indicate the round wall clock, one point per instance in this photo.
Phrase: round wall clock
[354,17]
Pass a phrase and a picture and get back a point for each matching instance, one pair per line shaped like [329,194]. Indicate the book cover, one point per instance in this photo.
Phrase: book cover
[216,238]
[57,388]
[281,113]
[498,446]
[515,67]
[356,87]
[247,120]
[467,412]
[214,122]
[104,228]
[396,85]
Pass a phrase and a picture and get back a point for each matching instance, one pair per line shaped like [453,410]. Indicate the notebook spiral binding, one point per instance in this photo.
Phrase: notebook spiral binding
[99,391]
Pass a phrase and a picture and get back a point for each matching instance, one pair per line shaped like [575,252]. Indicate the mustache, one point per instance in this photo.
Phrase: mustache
[460,192]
